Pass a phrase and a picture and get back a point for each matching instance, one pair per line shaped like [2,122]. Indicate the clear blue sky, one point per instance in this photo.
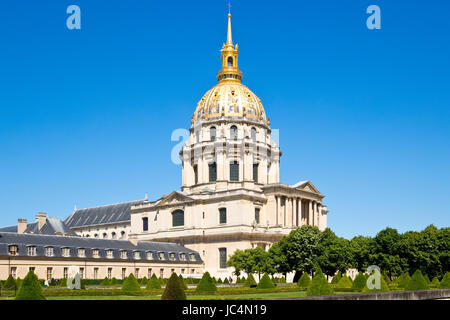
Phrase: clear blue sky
[86,115]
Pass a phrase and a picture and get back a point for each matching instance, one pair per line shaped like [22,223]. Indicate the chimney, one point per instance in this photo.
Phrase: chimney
[21,225]
[41,219]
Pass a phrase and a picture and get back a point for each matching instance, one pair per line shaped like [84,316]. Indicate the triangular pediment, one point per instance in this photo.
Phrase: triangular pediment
[306,186]
[174,198]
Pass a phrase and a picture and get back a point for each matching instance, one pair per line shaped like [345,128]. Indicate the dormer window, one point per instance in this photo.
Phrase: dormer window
[31,250]
[123,254]
[172,256]
[81,253]
[149,255]
[109,254]
[95,253]
[137,255]
[13,250]
[183,256]
[192,257]
[49,251]
[66,252]
[161,256]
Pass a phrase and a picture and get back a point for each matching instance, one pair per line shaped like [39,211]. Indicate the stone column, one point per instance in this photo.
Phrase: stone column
[319,214]
[285,211]
[294,213]
[278,222]
[300,217]
[310,213]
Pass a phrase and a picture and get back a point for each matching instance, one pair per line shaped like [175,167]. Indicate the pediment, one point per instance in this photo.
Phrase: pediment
[306,186]
[174,198]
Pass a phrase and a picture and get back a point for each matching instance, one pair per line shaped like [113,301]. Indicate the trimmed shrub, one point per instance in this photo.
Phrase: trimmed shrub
[445,282]
[226,281]
[319,285]
[417,282]
[130,284]
[219,281]
[304,281]
[30,289]
[10,283]
[360,281]
[427,279]
[403,280]
[336,278]
[434,283]
[153,283]
[114,281]
[206,284]
[344,282]
[250,281]
[282,280]
[105,282]
[52,283]
[386,279]
[182,282]
[174,288]
[265,282]
[383,287]
[63,282]
[18,283]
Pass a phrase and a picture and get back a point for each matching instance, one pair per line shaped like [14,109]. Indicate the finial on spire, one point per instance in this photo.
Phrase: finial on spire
[229,37]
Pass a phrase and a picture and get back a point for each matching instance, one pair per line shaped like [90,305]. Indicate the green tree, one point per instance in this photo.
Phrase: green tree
[265,282]
[226,281]
[445,282]
[10,283]
[206,284]
[130,284]
[417,282]
[336,278]
[333,253]
[344,282]
[304,281]
[250,281]
[153,283]
[360,250]
[403,280]
[174,289]
[105,282]
[30,289]
[359,282]
[319,285]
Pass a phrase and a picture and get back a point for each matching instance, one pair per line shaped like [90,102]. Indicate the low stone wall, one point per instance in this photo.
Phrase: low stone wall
[396,295]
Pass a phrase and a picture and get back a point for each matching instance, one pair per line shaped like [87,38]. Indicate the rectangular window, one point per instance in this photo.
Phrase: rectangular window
[13,250]
[136,273]
[195,174]
[192,257]
[212,172]
[123,254]
[31,251]
[172,256]
[81,253]
[172,271]
[222,258]
[65,273]
[49,273]
[192,271]
[82,273]
[182,271]
[161,273]
[95,253]
[149,273]
[66,252]
[222,215]
[257,215]
[234,171]
[13,272]
[161,256]
[145,224]
[49,251]
[137,255]
[95,273]
[255,172]
[124,273]
[109,254]
[109,273]
[149,255]
[31,269]
[178,218]
[183,256]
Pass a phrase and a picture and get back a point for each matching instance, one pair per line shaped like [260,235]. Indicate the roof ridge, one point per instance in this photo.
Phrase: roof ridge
[109,205]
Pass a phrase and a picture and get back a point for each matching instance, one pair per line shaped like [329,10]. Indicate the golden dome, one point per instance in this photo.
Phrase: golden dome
[230,99]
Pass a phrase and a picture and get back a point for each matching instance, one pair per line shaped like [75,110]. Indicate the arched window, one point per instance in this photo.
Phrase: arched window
[122,235]
[113,235]
[233,133]
[178,218]
[212,133]
[234,171]
[253,133]
[212,172]
[230,61]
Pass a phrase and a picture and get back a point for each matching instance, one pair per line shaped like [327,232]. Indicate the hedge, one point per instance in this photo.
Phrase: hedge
[359,282]
[304,281]
[344,282]
[417,282]
[250,281]
[153,283]
[445,282]
[319,285]
[265,282]
[206,284]
[131,284]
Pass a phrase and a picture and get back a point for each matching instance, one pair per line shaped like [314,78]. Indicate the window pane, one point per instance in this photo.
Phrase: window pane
[233,133]
[255,172]
[178,218]
[212,133]
[223,257]
[234,171]
[212,172]
[145,224]
[257,215]
[222,215]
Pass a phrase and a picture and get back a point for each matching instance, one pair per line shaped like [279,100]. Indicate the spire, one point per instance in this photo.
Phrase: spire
[229,37]
[229,57]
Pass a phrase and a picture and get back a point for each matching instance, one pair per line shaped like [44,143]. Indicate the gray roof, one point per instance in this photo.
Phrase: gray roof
[52,226]
[22,241]
[113,213]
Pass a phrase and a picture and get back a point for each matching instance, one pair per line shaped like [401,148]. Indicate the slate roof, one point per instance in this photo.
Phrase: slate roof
[113,213]
[52,226]
[89,244]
